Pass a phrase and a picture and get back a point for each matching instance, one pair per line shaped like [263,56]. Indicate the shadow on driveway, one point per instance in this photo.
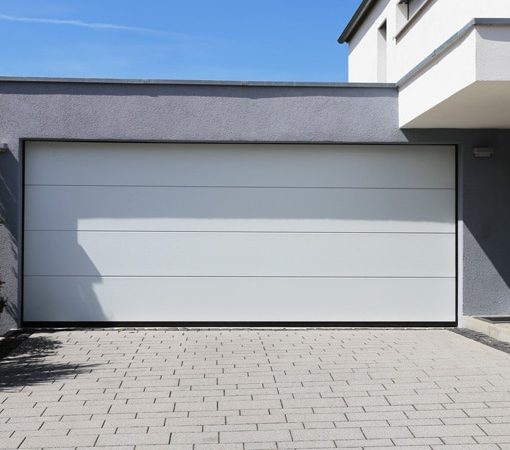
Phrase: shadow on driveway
[35,361]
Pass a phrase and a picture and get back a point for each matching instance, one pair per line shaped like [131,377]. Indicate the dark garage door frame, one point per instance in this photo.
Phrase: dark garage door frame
[109,324]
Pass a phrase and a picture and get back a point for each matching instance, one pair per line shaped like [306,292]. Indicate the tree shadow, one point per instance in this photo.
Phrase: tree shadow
[32,363]
[9,171]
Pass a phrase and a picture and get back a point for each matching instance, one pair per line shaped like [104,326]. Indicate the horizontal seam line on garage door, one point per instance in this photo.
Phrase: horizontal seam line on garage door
[245,187]
[241,231]
[239,276]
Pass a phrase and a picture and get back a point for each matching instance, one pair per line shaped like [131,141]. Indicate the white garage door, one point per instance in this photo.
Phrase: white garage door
[238,232]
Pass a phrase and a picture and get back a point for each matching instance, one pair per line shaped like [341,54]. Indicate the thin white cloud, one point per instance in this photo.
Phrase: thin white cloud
[80,23]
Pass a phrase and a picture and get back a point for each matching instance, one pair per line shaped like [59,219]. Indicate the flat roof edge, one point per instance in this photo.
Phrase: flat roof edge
[6,79]
[363,10]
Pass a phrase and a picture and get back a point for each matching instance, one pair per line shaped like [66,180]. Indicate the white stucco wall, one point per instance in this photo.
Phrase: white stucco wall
[493,53]
[467,86]
[441,20]
[363,47]
[450,74]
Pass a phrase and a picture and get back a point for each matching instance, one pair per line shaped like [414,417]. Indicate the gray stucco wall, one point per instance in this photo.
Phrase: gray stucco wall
[487,227]
[268,113]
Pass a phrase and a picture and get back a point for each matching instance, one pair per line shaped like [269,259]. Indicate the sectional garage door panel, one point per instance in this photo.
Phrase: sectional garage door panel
[89,208]
[257,165]
[239,232]
[160,254]
[233,299]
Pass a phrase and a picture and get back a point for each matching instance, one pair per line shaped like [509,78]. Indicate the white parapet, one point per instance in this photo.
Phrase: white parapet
[464,83]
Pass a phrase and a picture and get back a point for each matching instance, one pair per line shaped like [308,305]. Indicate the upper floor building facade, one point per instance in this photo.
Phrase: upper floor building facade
[449,58]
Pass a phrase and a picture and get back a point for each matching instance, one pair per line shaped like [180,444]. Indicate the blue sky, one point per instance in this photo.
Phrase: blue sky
[277,40]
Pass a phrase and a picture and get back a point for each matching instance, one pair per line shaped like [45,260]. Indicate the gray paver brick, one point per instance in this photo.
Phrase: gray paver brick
[366,401]
[466,447]
[496,429]
[70,410]
[58,441]
[206,437]
[120,447]
[196,406]
[248,404]
[357,443]
[136,439]
[8,443]
[218,447]
[418,399]
[254,436]
[22,412]
[446,430]
[307,445]
[386,432]
[260,446]
[327,434]
[163,447]
[269,418]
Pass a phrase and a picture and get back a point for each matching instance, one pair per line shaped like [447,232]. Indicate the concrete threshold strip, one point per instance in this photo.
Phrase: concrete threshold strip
[496,327]
[492,334]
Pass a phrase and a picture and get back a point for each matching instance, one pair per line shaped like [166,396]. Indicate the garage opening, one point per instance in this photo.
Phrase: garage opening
[255,233]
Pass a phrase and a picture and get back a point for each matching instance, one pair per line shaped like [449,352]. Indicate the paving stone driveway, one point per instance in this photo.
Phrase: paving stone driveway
[254,389]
